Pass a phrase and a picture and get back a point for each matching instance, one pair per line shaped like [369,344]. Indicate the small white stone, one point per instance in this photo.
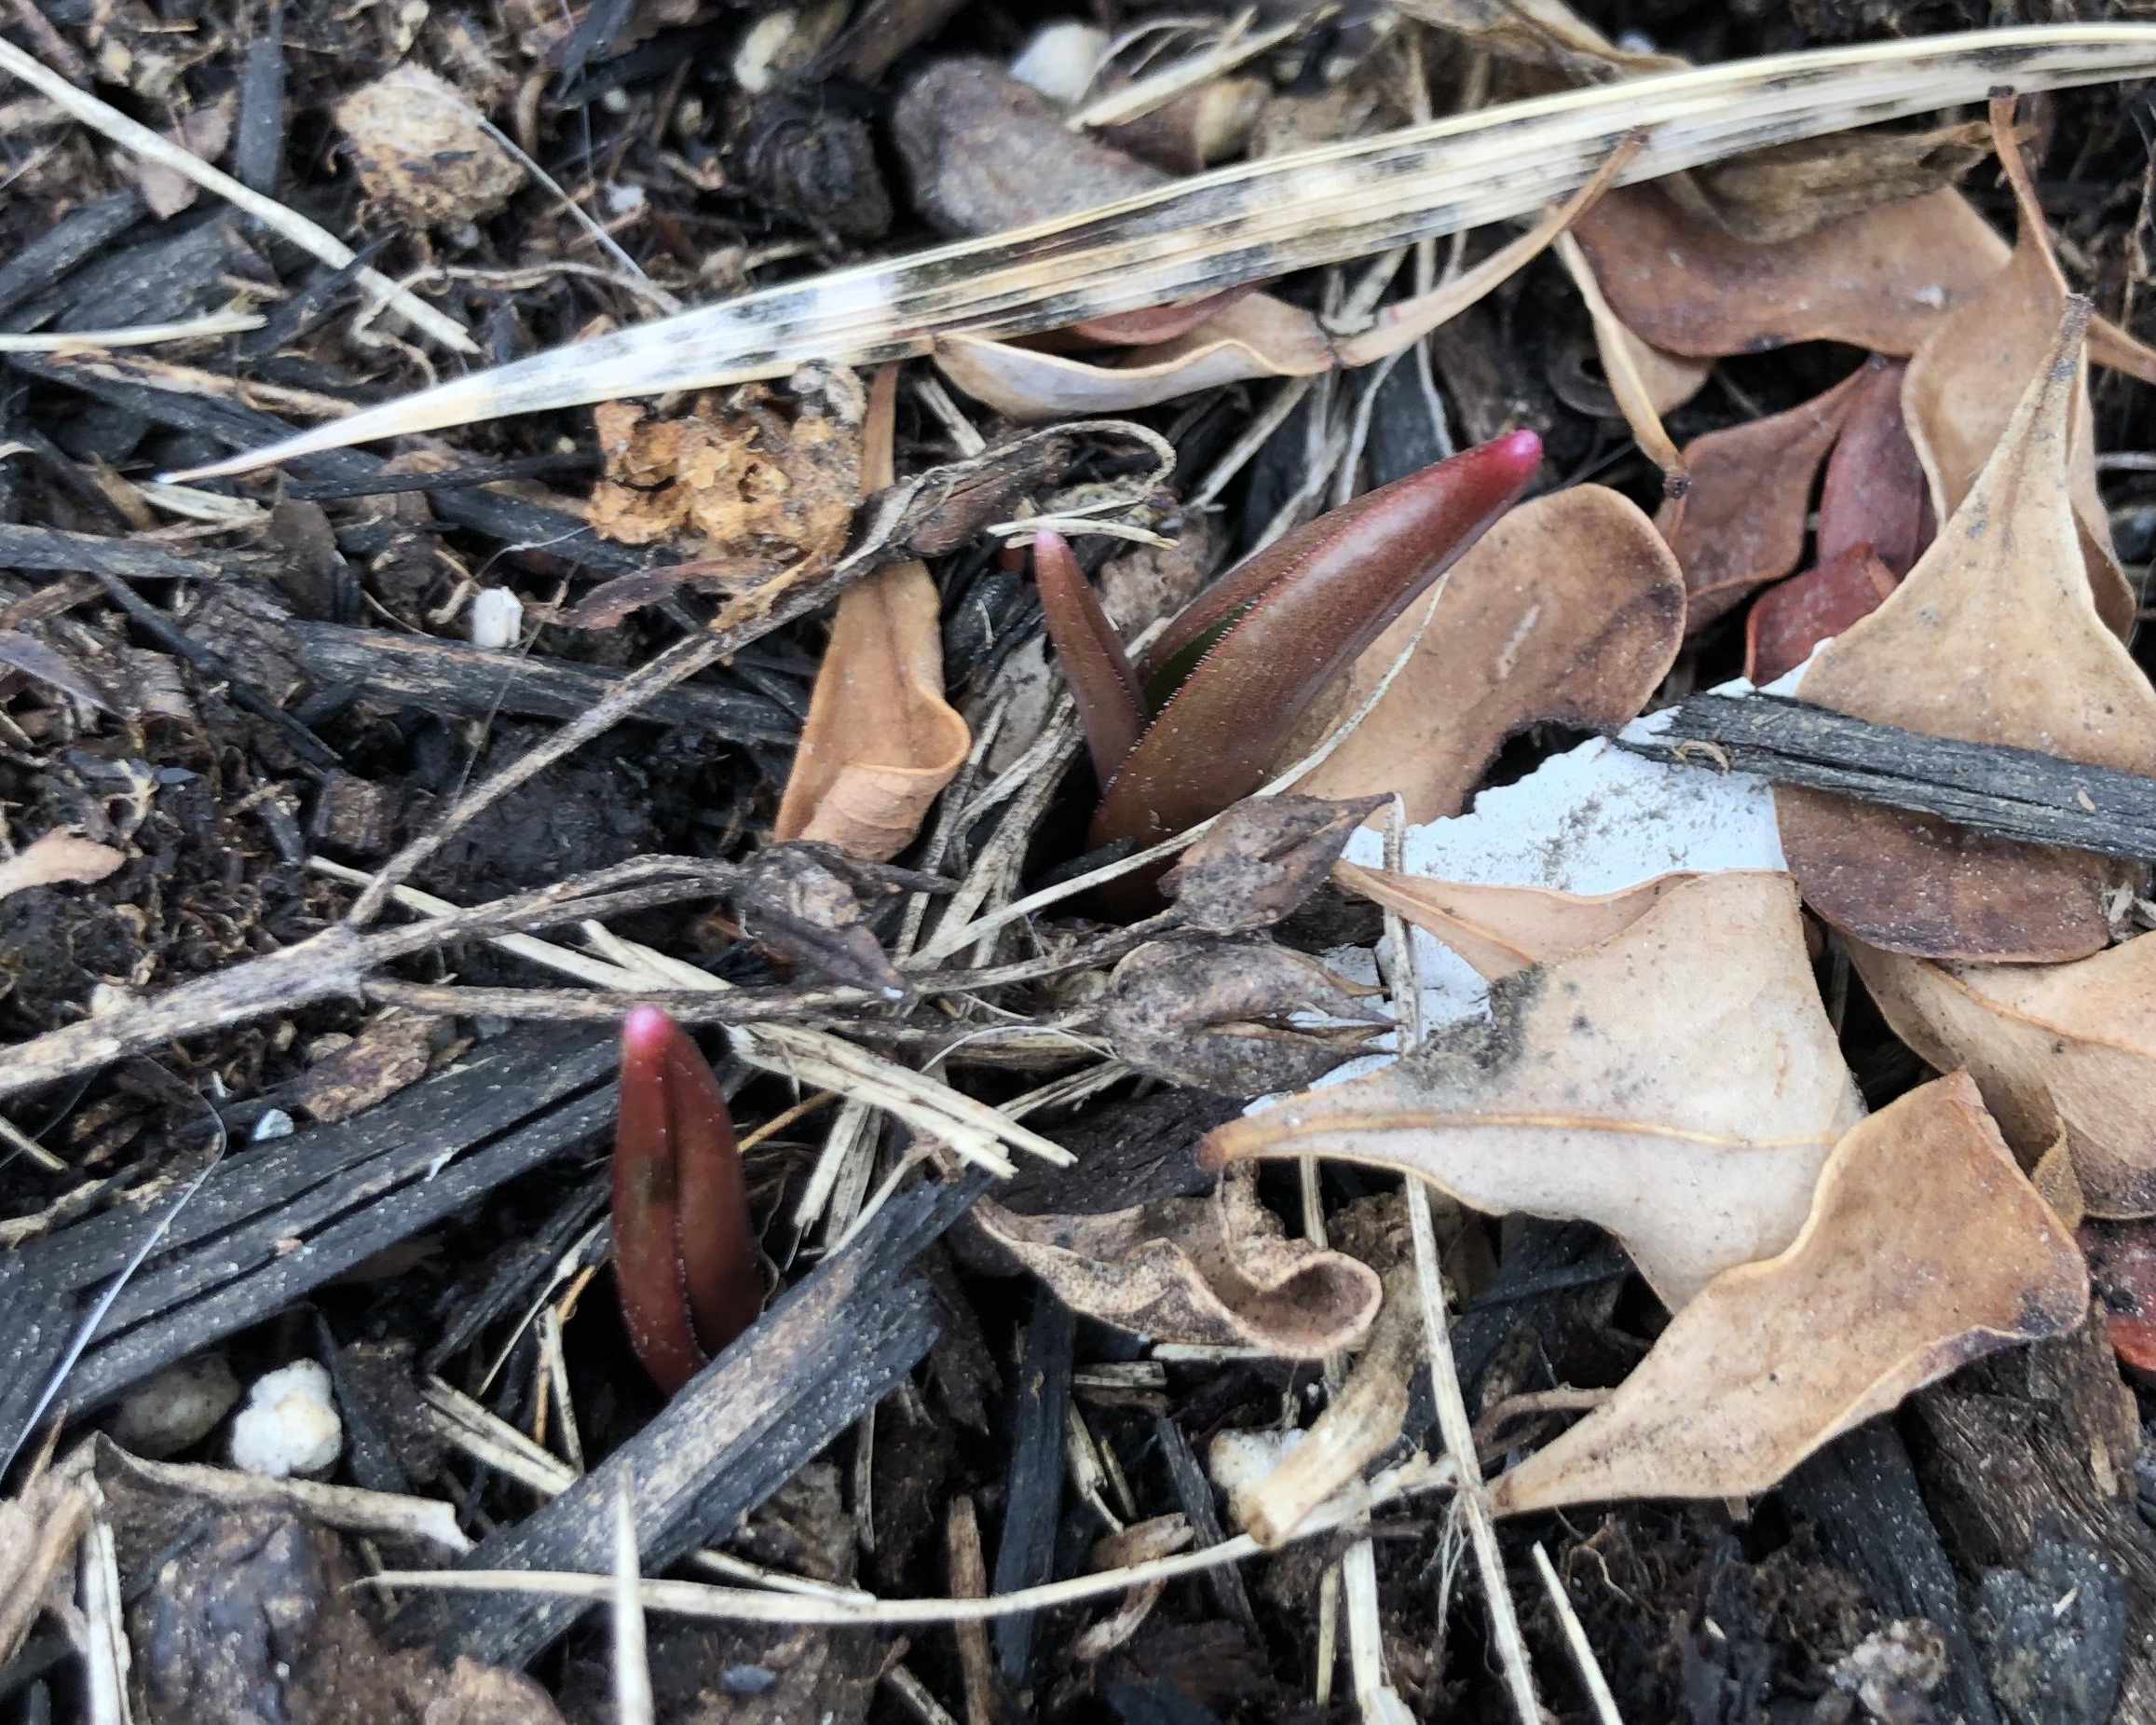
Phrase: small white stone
[176,1409]
[290,1424]
[755,61]
[274,1124]
[1060,59]
[497,618]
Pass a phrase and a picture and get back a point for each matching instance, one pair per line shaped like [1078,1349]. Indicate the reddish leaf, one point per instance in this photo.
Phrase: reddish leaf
[1101,681]
[1789,619]
[1267,638]
[685,1257]
[1874,491]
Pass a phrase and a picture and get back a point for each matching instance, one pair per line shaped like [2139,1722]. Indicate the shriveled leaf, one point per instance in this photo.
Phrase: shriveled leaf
[1245,337]
[1571,609]
[1881,280]
[1642,381]
[1269,637]
[792,901]
[1926,1248]
[1875,492]
[2052,1046]
[2121,1258]
[1221,1018]
[1794,616]
[389,1054]
[1678,1085]
[1742,522]
[880,742]
[1538,33]
[58,859]
[1993,638]
[1209,1271]
[1788,190]
[1964,381]
[1261,860]
[1503,929]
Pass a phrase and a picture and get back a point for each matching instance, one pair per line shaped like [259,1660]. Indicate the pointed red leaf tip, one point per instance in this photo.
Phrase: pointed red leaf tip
[1289,622]
[685,1256]
[1102,684]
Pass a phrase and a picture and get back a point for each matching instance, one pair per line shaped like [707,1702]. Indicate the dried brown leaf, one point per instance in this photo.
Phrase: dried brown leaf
[1926,1248]
[1641,377]
[2052,1046]
[1261,860]
[1538,33]
[880,742]
[1881,279]
[1789,190]
[1218,1017]
[1794,616]
[58,859]
[1571,608]
[1742,522]
[1964,381]
[793,901]
[1993,638]
[1875,492]
[423,152]
[1678,1085]
[1209,1271]
[389,1054]
[1502,929]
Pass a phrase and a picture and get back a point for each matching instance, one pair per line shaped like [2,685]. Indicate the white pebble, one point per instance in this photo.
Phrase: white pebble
[1238,1460]
[1059,60]
[497,618]
[176,1409]
[290,1424]
[275,1124]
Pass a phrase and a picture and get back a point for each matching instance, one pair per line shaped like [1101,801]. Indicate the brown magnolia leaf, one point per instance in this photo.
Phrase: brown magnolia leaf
[2052,1046]
[1218,1017]
[1875,492]
[793,901]
[1571,608]
[1502,929]
[1741,523]
[58,859]
[1993,638]
[1212,1271]
[880,742]
[1261,860]
[1964,381]
[1925,1248]
[1678,1084]
[1788,190]
[1881,280]
[1792,617]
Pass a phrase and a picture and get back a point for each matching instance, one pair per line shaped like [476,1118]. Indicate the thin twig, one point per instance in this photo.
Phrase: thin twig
[1591,1677]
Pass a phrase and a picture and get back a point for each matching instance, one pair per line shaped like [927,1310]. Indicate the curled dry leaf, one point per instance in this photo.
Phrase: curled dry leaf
[1678,1085]
[1964,381]
[1790,619]
[795,903]
[1502,929]
[1644,381]
[1742,522]
[1993,638]
[880,742]
[1261,860]
[1570,609]
[1219,1018]
[1925,1249]
[1212,1271]
[2055,1046]
[2121,1258]
[1257,335]
[1875,492]
[1789,190]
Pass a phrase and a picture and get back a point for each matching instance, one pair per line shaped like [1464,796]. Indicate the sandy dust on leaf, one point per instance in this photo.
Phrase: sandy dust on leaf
[1678,1084]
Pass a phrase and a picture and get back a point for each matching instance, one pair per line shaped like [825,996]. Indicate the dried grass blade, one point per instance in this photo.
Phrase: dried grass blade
[1265,218]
